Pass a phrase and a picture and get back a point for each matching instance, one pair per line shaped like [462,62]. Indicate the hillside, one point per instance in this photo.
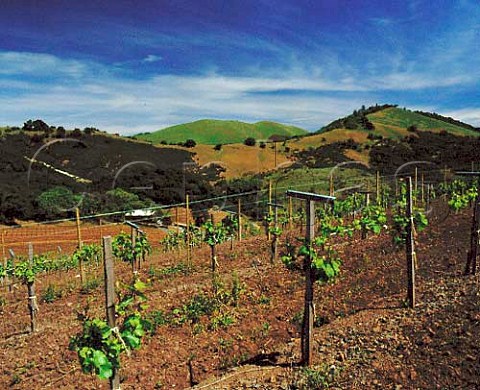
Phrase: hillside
[90,164]
[370,126]
[387,122]
[391,121]
[99,157]
[240,160]
[394,122]
[212,132]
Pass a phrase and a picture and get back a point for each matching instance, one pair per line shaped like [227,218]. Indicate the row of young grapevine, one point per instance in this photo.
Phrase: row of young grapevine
[459,193]
[99,346]
[25,270]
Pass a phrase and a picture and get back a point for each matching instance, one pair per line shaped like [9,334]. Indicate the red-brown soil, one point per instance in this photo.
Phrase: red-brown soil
[63,237]
[368,339]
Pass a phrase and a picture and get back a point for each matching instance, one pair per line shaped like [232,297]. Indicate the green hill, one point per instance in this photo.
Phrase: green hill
[392,122]
[397,118]
[212,132]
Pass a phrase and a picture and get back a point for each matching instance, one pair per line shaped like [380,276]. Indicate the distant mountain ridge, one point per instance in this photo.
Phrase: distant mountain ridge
[213,131]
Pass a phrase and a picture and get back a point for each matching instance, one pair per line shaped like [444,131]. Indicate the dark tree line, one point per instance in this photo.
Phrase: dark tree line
[448,119]
[357,120]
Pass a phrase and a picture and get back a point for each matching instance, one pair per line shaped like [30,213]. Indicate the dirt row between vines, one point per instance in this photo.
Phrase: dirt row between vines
[365,335]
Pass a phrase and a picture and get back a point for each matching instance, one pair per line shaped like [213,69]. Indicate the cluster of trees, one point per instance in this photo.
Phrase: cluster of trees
[43,130]
[189,143]
[357,120]
[61,200]
[249,141]
[326,155]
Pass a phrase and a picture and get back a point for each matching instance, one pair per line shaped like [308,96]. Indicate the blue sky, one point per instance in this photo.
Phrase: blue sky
[129,66]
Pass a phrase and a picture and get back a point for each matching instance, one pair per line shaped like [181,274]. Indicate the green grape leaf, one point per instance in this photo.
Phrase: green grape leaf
[102,365]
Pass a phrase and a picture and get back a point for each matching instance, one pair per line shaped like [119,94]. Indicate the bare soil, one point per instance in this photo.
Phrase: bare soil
[366,337]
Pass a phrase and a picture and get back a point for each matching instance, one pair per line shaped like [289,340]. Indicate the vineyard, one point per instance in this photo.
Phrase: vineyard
[226,302]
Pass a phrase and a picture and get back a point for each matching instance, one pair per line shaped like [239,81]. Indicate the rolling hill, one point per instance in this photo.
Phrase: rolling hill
[395,121]
[389,122]
[212,132]
[31,164]
[98,158]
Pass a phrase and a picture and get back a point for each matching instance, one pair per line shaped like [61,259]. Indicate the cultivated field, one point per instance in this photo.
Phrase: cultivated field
[241,329]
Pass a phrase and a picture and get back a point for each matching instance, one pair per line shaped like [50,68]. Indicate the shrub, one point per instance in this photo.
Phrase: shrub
[250,141]
[76,133]
[190,143]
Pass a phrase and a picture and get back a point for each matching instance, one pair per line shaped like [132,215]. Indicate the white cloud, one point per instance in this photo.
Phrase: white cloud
[35,64]
[152,58]
[88,94]
[468,115]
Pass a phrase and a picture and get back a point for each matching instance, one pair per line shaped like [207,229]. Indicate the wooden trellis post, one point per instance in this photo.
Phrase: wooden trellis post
[12,259]
[269,209]
[423,189]
[79,244]
[213,248]
[377,188]
[416,186]
[133,236]
[290,213]
[4,260]
[330,186]
[274,246]
[471,266]
[3,246]
[427,202]
[176,216]
[110,298]
[239,219]
[32,298]
[410,247]
[309,310]
[187,220]
[100,224]
[367,194]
